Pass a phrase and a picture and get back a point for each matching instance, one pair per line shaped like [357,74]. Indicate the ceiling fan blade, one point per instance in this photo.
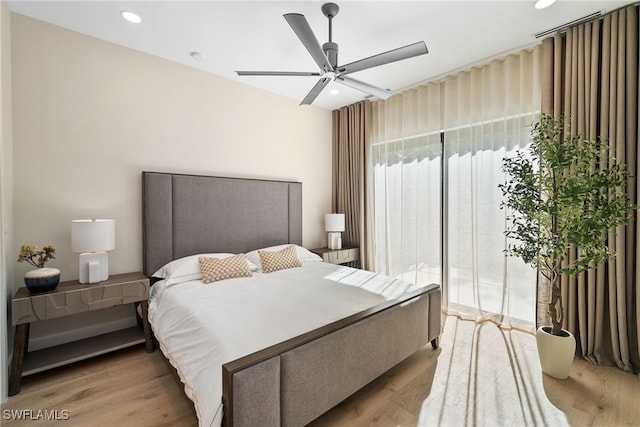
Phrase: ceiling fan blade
[302,29]
[315,91]
[276,73]
[409,51]
[364,87]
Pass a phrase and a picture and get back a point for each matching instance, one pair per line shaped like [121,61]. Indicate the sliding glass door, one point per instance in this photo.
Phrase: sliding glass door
[438,218]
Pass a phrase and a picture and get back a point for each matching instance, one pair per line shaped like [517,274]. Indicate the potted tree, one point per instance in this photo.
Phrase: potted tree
[563,191]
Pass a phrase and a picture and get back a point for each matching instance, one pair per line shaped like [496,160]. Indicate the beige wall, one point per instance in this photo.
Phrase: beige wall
[6,192]
[89,116]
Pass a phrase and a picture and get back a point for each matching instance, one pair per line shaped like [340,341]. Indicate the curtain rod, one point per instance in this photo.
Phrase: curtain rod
[588,18]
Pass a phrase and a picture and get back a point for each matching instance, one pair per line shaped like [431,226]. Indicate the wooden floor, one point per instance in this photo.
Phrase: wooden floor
[480,376]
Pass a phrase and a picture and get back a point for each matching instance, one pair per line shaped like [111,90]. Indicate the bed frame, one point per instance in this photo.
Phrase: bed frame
[296,381]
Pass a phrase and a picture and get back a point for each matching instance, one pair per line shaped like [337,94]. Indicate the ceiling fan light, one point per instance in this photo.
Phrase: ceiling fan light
[131,16]
[541,4]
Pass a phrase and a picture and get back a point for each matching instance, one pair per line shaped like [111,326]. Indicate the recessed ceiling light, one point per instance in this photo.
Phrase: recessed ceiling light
[541,4]
[334,91]
[131,16]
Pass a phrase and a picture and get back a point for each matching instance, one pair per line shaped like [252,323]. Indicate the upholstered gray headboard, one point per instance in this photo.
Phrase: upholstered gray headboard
[190,214]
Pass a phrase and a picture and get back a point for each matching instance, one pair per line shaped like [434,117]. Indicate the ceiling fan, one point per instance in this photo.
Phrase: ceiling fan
[327,58]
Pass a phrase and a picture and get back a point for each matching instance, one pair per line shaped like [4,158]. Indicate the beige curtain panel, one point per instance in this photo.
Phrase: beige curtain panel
[350,136]
[590,75]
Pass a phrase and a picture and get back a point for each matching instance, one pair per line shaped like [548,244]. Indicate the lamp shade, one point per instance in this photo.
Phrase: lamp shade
[93,235]
[334,222]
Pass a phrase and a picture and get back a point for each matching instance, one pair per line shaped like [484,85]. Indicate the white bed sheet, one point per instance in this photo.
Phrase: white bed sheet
[200,326]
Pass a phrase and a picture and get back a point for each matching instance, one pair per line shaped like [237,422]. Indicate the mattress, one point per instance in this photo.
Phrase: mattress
[200,326]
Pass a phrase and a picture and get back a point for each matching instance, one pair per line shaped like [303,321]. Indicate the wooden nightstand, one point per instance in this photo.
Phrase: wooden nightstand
[71,298]
[338,256]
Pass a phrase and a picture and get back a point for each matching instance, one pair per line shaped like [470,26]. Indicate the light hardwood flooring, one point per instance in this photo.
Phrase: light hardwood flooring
[480,376]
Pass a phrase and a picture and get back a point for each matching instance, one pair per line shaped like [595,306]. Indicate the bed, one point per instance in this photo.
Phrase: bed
[361,324]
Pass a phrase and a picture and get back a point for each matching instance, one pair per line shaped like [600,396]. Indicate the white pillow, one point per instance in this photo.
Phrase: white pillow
[304,255]
[188,268]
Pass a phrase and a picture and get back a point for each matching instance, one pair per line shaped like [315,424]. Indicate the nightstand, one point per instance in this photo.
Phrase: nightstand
[338,256]
[71,298]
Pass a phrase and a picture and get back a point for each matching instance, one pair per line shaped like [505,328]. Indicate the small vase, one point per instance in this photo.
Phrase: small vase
[556,352]
[42,280]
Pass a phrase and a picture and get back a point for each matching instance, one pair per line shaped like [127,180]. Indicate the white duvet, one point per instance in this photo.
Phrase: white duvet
[200,326]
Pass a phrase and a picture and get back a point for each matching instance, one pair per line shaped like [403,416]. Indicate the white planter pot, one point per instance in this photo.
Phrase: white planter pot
[556,352]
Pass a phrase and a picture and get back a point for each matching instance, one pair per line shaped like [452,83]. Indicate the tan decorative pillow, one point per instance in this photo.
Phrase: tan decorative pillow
[214,269]
[279,260]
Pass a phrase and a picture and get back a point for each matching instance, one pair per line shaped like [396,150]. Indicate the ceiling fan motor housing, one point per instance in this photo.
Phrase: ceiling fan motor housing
[331,50]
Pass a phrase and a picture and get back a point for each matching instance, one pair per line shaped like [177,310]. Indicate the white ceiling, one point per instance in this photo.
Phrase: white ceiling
[250,35]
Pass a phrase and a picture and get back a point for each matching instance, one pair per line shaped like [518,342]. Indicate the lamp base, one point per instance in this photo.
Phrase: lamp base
[335,240]
[93,267]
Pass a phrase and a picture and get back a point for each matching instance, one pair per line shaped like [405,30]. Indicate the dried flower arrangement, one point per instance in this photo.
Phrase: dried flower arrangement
[35,257]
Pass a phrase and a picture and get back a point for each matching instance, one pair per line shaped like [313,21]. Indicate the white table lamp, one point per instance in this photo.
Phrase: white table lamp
[334,224]
[93,238]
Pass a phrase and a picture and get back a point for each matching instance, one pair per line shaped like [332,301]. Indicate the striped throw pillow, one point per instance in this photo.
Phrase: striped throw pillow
[279,260]
[214,269]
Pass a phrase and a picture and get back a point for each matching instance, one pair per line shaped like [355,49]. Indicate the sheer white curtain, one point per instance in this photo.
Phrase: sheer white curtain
[437,205]
[488,113]
[406,156]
